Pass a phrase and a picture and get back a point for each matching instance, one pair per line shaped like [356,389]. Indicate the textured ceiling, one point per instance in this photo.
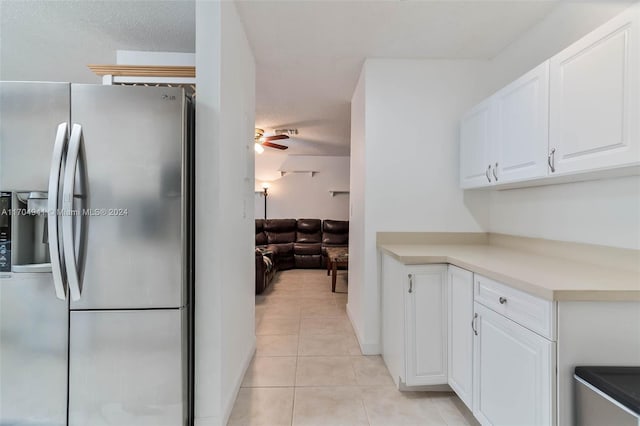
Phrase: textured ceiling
[54,40]
[309,53]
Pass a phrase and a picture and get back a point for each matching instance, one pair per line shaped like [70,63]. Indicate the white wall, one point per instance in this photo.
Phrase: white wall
[601,212]
[605,212]
[410,154]
[357,288]
[225,336]
[299,195]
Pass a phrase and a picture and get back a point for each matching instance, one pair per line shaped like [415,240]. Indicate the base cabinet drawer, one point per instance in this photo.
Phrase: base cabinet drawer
[514,370]
[527,310]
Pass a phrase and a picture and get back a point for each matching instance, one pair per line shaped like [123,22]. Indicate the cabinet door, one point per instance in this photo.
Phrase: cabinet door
[595,98]
[475,146]
[426,325]
[522,127]
[513,372]
[393,351]
[460,341]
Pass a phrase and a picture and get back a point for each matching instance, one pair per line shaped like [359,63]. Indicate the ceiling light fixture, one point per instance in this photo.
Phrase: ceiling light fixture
[288,132]
[259,148]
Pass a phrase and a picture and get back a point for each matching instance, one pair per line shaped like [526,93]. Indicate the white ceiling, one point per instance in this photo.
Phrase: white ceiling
[309,53]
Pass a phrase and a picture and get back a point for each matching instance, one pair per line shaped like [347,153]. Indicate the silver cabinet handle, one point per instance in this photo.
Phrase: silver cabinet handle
[410,283]
[487,173]
[473,324]
[502,300]
[68,193]
[551,159]
[55,252]
[495,172]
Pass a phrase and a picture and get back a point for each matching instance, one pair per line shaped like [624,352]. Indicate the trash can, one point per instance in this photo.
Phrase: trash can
[607,396]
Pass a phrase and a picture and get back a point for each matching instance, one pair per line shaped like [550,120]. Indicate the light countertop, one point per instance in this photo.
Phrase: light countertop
[552,278]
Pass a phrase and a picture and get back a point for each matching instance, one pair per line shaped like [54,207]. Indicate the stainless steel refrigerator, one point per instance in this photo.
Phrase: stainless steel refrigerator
[96,255]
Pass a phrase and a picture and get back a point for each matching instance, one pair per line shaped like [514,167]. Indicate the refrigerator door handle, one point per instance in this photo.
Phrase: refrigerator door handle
[52,205]
[68,193]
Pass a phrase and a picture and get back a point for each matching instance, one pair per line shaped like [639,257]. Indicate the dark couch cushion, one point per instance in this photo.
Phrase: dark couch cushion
[261,237]
[285,263]
[280,225]
[306,261]
[335,232]
[309,226]
[336,226]
[303,237]
[307,249]
[280,230]
[281,250]
[281,237]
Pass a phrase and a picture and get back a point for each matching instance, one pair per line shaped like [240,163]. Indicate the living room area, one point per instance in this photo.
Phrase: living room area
[301,209]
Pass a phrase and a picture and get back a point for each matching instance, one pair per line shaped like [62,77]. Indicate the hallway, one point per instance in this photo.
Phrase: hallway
[308,368]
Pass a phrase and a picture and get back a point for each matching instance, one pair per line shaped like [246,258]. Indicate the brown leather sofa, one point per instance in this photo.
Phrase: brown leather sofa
[291,243]
[307,250]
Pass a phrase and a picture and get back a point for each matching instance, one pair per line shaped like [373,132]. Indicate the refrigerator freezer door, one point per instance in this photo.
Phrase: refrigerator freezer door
[33,351]
[126,368]
[31,113]
[133,143]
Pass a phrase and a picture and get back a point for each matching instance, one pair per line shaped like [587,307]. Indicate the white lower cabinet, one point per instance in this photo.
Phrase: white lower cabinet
[426,325]
[508,354]
[460,336]
[414,329]
[513,372]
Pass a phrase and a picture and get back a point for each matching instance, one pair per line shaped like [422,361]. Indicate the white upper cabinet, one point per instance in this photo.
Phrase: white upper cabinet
[475,146]
[505,138]
[576,115]
[595,98]
[522,120]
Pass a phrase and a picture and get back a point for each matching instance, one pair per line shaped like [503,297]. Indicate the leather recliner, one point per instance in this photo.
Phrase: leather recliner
[335,233]
[308,246]
[281,234]
[295,243]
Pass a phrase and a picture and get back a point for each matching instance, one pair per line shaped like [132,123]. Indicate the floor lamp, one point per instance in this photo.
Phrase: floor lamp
[265,192]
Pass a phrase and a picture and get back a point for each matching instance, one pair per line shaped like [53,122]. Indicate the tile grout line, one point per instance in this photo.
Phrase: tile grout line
[295,371]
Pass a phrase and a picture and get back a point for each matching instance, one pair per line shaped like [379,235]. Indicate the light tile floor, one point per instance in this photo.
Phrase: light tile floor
[308,368]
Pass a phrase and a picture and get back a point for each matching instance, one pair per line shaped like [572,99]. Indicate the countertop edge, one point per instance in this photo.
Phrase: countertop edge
[585,295]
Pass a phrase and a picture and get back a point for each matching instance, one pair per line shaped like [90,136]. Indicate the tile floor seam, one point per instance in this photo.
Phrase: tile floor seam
[295,375]
[364,407]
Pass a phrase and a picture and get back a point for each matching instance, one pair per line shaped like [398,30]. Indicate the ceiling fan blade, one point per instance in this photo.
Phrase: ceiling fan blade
[274,138]
[274,145]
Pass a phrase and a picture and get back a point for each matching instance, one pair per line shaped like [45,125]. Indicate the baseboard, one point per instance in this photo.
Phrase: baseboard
[426,388]
[365,348]
[227,406]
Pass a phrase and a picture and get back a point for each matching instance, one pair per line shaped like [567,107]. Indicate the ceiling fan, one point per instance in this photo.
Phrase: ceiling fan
[261,140]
